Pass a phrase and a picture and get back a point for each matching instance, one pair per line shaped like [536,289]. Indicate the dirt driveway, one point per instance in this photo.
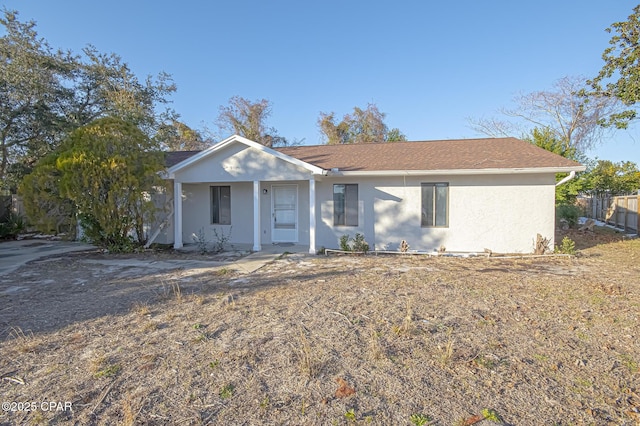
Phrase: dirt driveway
[61,283]
[14,254]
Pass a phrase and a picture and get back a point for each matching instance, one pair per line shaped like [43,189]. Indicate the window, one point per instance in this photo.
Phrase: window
[435,205]
[345,204]
[221,205]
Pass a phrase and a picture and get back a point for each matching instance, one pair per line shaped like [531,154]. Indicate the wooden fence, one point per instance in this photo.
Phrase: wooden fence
[5,207]
[10,204]
[621,212]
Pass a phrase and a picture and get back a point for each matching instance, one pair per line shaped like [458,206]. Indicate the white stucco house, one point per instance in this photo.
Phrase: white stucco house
[465,195]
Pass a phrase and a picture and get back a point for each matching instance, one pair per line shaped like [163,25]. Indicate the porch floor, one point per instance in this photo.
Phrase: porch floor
[275,248]
[249,261]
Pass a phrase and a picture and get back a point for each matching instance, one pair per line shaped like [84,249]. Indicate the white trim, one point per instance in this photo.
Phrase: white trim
[496,171]
[312,215]
[159,229]
[177,215]
[239,139]
[256,216]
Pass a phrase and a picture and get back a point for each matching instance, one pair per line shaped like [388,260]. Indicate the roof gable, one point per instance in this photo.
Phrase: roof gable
[191,157]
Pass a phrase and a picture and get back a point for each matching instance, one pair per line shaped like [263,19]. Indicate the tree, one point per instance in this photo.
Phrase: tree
[33,96]
[619,78]
[573,118]
[546,138]
[46,208]
[609,178]
[248,119]
[362,126]
[45,94]
[395,135]
[177,136]
[105,86]
[107,170]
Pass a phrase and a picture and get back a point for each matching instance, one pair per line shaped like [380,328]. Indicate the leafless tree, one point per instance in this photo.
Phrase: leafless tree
[573,118]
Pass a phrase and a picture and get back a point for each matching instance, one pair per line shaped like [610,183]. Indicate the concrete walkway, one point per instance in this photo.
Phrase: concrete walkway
[14,254]
[269,253]
[254,261]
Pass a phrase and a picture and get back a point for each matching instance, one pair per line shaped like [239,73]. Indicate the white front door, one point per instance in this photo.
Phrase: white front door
[284,213]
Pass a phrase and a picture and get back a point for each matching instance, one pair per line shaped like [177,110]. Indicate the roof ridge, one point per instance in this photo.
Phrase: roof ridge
[400,142]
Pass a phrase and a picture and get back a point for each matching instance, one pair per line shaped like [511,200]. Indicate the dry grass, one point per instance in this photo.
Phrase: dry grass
[437,341]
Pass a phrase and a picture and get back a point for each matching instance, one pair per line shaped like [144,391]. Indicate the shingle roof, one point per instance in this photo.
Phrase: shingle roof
[490,153]
[174,157]
[453,154]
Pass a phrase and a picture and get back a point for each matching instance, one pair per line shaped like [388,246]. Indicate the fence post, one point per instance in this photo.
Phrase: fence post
[626,212]
[637,214]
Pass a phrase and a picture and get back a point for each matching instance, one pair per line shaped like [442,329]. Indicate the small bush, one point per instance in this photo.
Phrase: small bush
[227,391]
[568,246]
[344,242]
[419,419]
[359,243]
[201,241]
[568,212]
[220,240]
[13,226]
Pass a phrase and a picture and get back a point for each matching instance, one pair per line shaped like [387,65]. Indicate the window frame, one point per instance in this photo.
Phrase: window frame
[435,205]
[350,207]
[215,202]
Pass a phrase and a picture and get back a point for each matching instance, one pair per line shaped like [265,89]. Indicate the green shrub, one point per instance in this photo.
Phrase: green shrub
[11,227]
[568,212]
[568,246]
[114,242]
[344,242]
[359,243]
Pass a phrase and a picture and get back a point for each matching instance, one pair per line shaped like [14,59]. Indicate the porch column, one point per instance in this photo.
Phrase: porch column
[177,214]
[256,216]
[312,215]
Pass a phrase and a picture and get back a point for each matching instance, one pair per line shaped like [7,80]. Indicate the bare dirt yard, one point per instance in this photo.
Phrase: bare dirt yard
[315,340]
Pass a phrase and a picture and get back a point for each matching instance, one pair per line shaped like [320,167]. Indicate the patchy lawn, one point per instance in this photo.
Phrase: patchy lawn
[328,340]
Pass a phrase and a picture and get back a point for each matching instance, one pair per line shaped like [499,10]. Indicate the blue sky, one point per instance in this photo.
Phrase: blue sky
[429,65]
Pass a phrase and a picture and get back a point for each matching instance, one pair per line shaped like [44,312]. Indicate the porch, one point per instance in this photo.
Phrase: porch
[259,215]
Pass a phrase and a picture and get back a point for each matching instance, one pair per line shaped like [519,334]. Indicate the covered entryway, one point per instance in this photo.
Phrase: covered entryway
[271,195]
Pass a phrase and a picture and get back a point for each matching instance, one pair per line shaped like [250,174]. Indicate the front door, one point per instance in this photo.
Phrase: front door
[284,213]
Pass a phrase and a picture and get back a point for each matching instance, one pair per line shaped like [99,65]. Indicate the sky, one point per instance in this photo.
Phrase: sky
[429,65]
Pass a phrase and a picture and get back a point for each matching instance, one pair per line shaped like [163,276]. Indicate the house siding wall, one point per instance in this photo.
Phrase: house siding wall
[502,213]
[164,201]
[196,210]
